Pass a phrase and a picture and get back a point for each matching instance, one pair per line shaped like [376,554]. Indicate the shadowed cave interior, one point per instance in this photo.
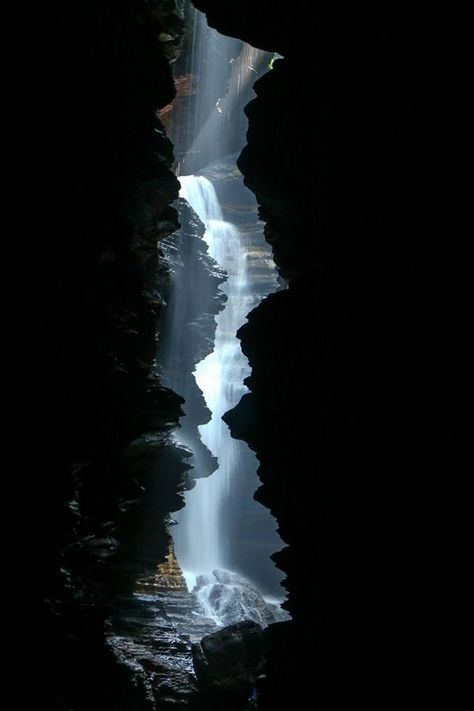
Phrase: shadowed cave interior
[347,136]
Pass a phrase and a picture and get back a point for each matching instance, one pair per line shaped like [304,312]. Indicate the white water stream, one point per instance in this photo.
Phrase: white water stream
[221,528]
[200,537]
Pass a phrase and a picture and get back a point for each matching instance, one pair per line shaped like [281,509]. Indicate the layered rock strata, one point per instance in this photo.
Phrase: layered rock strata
[187,327]
[90,470]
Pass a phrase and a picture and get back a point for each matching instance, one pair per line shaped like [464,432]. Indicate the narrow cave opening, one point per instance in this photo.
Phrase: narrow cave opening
[206,606]
[223,539]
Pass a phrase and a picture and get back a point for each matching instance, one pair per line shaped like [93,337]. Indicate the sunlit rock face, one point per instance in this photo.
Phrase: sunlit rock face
[167,577]
[214,77]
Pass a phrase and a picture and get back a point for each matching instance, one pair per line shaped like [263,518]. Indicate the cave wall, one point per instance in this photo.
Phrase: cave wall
[359,147]
[193,300]
[89,472]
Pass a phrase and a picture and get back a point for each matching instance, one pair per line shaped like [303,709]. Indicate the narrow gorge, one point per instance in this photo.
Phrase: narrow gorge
[236,354]
[217,519]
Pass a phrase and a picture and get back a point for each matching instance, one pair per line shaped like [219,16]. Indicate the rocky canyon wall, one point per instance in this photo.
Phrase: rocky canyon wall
[359,147]
[88,469]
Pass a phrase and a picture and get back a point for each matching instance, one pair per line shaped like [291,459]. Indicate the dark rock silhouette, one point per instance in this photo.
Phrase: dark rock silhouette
[228,663]
[358,403]
[360,152]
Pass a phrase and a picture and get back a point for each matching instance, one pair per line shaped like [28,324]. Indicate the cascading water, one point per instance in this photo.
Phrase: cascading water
[203,538]
[200,539]
[221,528]
[223,539]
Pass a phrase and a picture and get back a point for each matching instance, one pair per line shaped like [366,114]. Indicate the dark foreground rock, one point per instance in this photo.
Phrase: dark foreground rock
[229,662]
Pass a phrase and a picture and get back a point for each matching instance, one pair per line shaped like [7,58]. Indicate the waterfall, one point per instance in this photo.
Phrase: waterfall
[221,527]
[200,538]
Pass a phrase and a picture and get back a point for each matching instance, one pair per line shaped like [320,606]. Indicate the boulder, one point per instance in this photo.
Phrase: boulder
[228,662]
[227,598]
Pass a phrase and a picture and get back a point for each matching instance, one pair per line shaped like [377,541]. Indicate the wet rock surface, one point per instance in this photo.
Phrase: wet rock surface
[151,635]
[212,71]
[198,649]
[229,598]
[193,298]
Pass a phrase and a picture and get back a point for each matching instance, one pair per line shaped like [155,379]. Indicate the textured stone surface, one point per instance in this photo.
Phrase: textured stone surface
[167,577]
[92,474]
[151,636]
[229,598]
